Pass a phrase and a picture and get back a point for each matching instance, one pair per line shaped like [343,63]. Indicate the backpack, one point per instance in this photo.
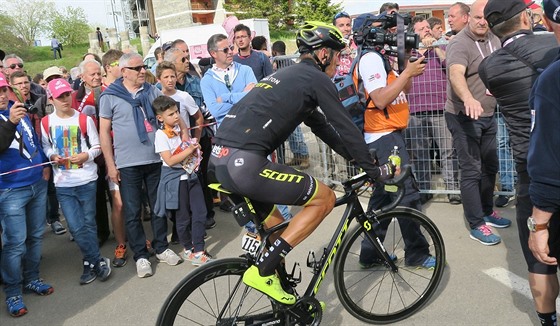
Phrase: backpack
[82,122]
[351,91]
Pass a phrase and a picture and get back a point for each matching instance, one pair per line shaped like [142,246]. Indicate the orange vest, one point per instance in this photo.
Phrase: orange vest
[393,117]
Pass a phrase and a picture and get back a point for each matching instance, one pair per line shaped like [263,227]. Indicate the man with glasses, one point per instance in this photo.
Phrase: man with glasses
[257,60]
[227,81]
[11,63]
[469,113]
[22,203]
[522,54]
[126,110]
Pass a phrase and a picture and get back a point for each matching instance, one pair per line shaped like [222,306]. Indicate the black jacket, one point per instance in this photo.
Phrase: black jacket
[510,80]
[264,118]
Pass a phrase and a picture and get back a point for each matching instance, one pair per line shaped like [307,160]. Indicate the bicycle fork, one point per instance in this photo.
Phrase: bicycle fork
[368,221]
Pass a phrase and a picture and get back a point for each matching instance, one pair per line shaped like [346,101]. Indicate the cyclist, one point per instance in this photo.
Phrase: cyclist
[262,121]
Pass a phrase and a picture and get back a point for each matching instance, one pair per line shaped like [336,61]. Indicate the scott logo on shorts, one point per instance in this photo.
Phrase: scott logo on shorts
[220,151]
[283,177]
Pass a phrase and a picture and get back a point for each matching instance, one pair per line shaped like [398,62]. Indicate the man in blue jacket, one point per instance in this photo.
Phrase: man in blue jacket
[23,203]
[226,82]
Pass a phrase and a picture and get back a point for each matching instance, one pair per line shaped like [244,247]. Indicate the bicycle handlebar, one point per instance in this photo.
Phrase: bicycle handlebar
[359,180]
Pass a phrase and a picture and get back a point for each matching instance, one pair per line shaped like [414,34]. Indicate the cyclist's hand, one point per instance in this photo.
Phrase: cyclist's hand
[386,171]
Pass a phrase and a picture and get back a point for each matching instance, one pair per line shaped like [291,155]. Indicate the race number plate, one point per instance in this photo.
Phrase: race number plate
[251,243]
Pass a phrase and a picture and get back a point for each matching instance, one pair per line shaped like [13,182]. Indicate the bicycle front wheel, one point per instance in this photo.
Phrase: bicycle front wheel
[214,294]
[369,289]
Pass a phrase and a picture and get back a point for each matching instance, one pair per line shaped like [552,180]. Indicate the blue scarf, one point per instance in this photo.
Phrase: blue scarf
[141,101]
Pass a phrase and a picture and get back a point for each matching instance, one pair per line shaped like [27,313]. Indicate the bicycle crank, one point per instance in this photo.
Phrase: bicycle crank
[306,311]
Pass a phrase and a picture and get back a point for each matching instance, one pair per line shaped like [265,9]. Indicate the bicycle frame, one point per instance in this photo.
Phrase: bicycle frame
[354,210]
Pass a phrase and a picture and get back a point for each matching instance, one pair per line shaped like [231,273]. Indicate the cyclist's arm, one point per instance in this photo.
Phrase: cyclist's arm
[340,127]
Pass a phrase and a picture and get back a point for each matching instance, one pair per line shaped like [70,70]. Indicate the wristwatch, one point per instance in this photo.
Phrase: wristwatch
[534,227]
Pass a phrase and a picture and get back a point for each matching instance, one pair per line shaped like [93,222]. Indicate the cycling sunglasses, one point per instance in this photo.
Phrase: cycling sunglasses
[138,68]
[13,65]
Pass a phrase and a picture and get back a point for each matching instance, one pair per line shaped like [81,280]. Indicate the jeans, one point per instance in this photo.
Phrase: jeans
[131,194]
[475,143]
[297,143]
[22,215]
[55,51]
[423,128]
[191,215]
[78,206]
[506,172]
[416,247]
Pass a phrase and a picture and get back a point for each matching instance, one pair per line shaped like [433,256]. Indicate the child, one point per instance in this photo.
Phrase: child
[179,192]
[75,174]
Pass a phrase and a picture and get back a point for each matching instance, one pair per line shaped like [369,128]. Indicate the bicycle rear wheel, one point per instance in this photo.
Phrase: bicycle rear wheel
[373,293]
[214,294]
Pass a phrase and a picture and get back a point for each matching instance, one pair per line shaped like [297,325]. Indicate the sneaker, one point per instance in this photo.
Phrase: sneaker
[484,235]
[143,268]
[58,228]
[503,200]
[89,274]
[120,256]
[496,220]
[186,254]
[376,262]
[269,285]
[210,223]
[226,206]
[39,287]
[16,307]
[428,263]
[200,258]
[169,257]
[103,269]
[454,199]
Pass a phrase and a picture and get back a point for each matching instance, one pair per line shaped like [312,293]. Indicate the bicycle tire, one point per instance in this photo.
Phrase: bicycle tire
[359,288]
[213,288]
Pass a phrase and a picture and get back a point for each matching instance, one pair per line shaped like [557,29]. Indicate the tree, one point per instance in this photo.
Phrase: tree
[318,10]
[8,39]
[281,14]
[69,25]
[28,18]
[275,11]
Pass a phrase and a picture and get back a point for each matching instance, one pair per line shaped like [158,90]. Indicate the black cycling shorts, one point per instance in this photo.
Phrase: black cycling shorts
[252,175]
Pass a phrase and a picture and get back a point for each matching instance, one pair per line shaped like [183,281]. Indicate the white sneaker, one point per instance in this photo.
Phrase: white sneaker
[169,257]
[143,268]
[186,254]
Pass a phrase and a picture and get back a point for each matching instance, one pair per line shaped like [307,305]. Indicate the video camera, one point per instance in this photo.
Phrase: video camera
[377,36]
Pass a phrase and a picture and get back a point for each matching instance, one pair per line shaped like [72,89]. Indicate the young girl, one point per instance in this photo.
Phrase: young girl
[180,192]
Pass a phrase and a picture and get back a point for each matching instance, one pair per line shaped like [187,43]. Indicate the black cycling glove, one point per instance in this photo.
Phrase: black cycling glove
[386,171]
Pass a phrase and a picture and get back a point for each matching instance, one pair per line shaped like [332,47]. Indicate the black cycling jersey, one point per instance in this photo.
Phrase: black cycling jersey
[270,112]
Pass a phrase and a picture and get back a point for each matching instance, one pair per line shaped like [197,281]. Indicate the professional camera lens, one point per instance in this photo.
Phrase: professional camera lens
[32,109]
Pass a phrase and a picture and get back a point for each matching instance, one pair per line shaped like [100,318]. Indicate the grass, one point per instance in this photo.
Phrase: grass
[39,58]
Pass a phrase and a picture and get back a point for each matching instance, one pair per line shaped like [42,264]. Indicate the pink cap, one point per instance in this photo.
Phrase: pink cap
[57,87]
[3,82]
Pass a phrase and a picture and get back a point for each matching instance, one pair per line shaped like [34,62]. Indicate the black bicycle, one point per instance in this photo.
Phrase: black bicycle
[373,277]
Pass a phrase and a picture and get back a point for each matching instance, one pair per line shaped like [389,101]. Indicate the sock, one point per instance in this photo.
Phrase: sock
[548,319]
[270,260]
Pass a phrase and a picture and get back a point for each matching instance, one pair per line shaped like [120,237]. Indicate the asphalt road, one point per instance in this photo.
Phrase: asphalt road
[481,285]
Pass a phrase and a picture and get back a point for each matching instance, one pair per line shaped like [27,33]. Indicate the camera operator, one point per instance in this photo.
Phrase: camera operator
[385,118]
